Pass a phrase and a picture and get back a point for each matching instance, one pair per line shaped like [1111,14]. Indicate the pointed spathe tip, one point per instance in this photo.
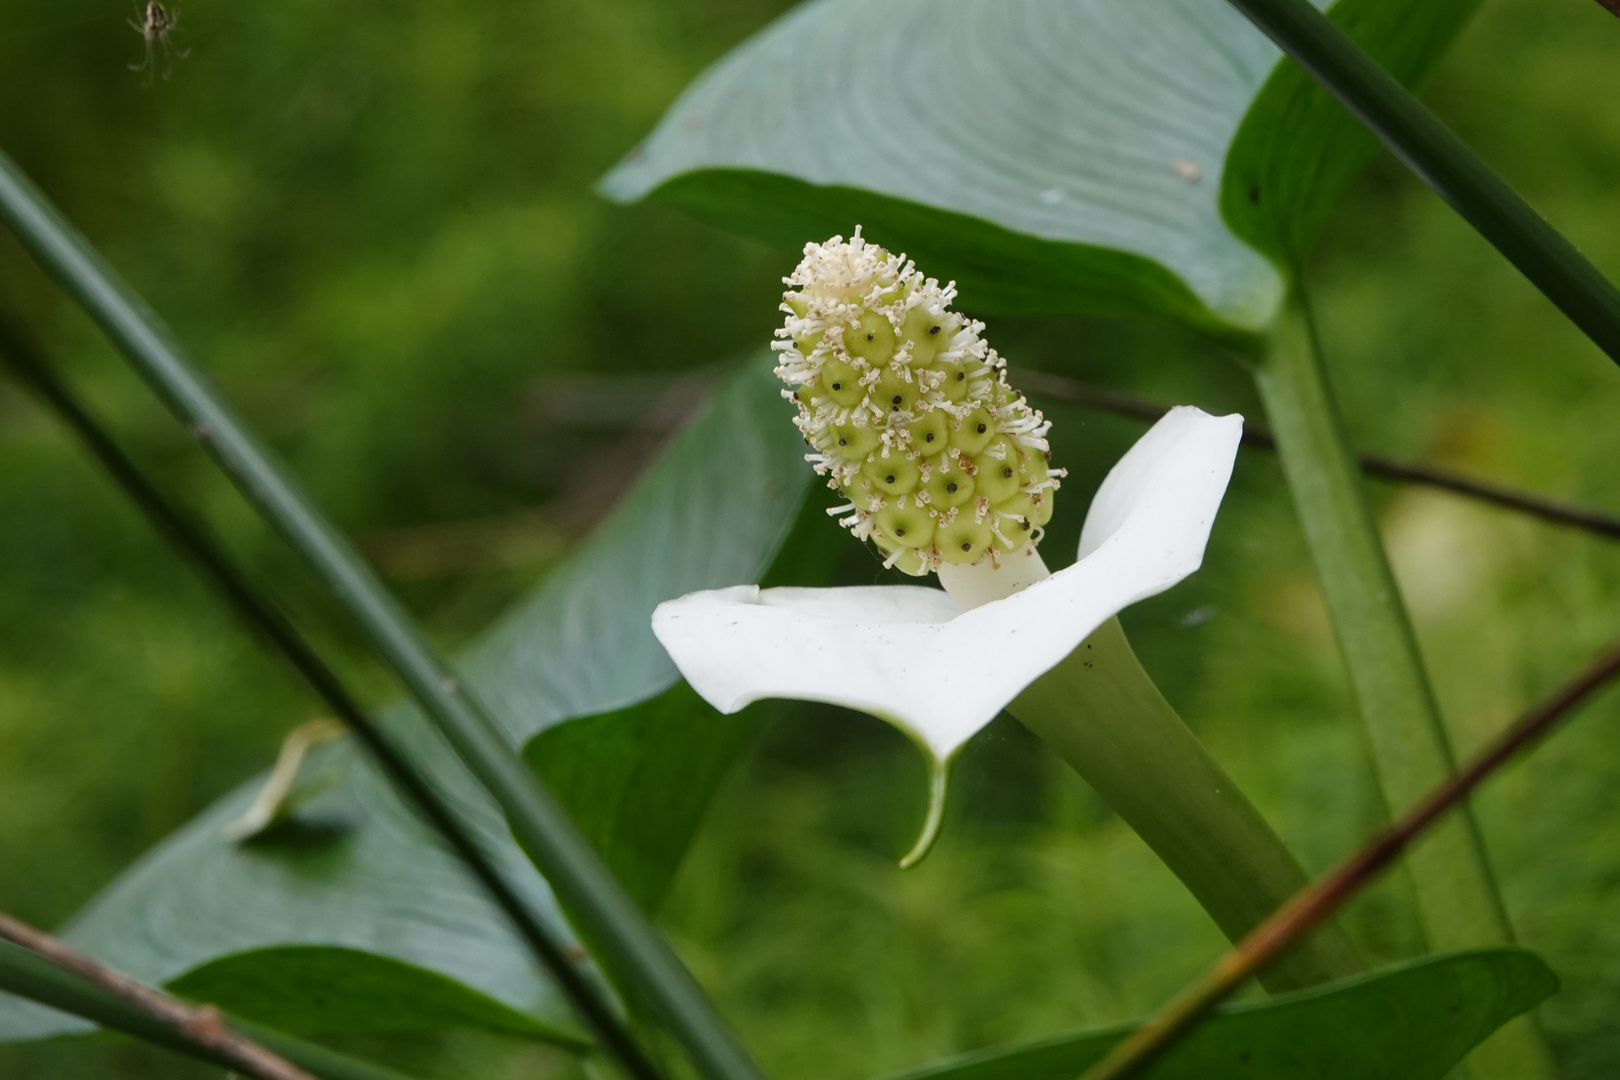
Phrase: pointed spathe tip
[938,782]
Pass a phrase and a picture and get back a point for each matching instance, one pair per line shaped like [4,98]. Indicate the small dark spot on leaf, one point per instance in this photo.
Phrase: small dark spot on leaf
[889,479]
[838,386]
[950,488]
[928,437]
[1254,194]
[967,545]
[899,532]
[981,429]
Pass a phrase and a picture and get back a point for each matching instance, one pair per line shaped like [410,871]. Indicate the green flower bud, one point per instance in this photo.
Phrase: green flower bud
[973,429]
[893,475]
[929,432]
[909,526]
[954,380]
[964,540]
[840,381]
[896,390]
[909,412]
[871,339]
[854,443]
[948,484]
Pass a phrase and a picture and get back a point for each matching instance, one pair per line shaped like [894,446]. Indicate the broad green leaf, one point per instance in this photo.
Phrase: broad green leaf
[638,780]
[1115,156]
[1410,1022]
[352,892]
[297,988]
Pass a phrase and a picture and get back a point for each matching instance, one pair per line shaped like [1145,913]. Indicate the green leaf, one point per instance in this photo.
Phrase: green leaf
[299,988]
[638,780]
[351,901]
[1409,1022]
[1048,155]
[1298,149]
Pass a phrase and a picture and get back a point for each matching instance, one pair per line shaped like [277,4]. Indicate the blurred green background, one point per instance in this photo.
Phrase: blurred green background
[373,222]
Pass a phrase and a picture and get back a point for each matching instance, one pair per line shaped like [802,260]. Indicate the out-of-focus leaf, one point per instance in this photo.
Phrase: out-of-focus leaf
[351,892]
[1410,1022]
[1108,156]
[638,780]
[298,988]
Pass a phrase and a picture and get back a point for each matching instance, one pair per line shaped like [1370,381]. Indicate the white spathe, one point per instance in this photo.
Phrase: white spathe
[941,665]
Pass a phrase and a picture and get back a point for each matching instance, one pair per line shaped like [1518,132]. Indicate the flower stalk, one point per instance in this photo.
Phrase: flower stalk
[1103,715]
[1459,906]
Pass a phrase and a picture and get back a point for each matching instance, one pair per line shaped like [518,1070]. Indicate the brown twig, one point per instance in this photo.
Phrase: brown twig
[1318,901]
[1373,464]
[203,1025]
[1613,6]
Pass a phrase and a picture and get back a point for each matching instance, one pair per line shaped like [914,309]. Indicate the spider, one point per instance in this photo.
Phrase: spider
[156,25]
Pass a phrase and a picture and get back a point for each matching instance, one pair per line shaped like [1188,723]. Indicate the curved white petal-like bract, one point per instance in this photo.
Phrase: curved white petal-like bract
[913,656]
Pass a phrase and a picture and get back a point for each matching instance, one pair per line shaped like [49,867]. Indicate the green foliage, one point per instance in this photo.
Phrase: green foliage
[1412,1022]
[371,221]
[637,780]
[997,268]
[323,990]
[1116,174]
[1298,149]
[354,873]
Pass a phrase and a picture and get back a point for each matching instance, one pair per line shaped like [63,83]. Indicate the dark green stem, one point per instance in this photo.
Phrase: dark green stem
[606,913]
[27,975]
[1103,715]
[1458,901]
[1416,136]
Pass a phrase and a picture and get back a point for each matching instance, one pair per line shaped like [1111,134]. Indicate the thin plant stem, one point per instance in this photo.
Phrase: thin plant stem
[604,911]
[1444,162]
[1311,906]
[1458,903]
[259,614]
[200,1025]
[1372,463]
[31,975]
